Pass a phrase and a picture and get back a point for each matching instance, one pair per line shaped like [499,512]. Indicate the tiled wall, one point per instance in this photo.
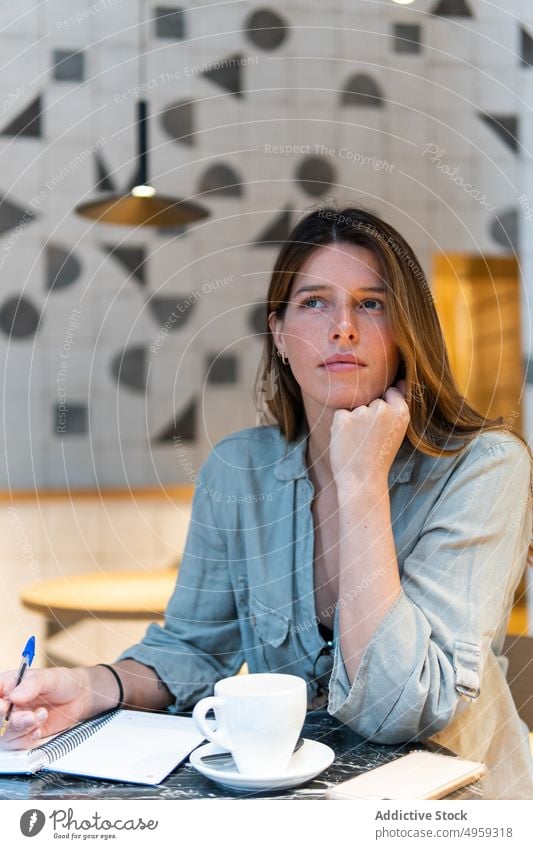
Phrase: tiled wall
[118,345]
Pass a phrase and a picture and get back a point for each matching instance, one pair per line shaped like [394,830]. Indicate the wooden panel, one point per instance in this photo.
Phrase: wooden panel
[478,301]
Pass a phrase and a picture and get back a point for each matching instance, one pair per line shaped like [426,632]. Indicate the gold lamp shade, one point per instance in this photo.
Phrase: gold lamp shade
[142,206]
[156,211]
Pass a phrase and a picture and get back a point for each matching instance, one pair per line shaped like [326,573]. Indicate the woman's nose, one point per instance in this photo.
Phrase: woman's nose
[344,327]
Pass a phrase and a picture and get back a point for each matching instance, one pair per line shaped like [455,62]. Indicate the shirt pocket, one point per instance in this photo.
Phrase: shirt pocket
[270,628]
[466,659]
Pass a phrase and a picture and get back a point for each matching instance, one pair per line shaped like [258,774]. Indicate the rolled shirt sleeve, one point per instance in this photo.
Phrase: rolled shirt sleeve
[428,652]
[200,641]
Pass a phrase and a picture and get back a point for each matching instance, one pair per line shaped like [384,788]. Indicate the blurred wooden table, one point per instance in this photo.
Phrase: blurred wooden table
[130,594]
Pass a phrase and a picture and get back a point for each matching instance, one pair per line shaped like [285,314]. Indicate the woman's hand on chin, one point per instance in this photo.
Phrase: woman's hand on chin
[365,441]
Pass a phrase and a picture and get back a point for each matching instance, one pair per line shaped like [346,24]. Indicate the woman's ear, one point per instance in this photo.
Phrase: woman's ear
[276,328]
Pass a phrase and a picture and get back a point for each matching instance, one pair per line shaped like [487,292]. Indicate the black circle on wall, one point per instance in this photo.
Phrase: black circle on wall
[266,29]
[315,175]
[18,317]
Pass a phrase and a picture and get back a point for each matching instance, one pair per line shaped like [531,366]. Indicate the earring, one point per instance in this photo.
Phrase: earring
[283,357]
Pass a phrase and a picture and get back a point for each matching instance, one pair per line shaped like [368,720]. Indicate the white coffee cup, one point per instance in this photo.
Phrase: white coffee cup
[258,719]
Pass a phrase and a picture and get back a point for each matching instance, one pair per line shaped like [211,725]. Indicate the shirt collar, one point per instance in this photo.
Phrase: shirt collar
[293,463]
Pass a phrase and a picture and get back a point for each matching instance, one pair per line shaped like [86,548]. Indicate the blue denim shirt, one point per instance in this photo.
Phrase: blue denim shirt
[245,591]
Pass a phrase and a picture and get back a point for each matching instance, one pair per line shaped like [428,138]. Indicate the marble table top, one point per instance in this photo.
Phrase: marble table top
[353,755]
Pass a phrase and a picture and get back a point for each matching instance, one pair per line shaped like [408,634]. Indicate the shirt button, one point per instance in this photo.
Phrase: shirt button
[252,620]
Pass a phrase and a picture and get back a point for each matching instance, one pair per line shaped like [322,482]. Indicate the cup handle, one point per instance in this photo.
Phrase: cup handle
[201,708]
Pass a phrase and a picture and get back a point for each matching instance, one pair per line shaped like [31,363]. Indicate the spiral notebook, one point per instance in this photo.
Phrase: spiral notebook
[119,745]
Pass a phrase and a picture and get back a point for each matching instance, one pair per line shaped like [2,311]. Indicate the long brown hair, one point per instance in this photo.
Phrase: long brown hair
[438,411]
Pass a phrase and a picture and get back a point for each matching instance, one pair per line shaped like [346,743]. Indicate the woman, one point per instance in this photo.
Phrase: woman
[370,540]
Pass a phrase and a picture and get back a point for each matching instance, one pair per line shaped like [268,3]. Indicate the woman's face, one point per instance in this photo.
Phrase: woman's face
[335,330]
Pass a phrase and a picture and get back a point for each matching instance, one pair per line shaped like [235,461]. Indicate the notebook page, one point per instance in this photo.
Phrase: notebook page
[134,746]
[23,761]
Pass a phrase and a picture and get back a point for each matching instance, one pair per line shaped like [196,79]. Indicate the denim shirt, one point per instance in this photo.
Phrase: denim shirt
[245,592]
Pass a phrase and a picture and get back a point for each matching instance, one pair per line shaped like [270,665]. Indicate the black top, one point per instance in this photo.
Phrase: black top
[325,632]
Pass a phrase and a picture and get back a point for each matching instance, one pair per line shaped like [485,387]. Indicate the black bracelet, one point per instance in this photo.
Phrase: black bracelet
[120,703]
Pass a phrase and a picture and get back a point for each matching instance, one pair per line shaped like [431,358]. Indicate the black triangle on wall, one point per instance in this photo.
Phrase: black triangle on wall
[12,215]
[183,427]
[276,232]
[104,181]
[526,48]
[27,122]
[227,74]
[130,258]
[504,229]
[505,127]
[179,122]
[130,368]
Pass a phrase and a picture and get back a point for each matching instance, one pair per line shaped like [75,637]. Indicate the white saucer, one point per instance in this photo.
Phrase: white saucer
[305,764]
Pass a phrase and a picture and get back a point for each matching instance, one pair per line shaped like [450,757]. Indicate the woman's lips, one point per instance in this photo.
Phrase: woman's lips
[339,364]
[342,366]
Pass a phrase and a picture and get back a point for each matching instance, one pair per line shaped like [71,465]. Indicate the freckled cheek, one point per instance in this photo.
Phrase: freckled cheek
[306,333]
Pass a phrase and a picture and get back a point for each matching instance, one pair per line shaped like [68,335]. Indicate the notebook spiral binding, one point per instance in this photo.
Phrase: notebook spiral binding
[70,739]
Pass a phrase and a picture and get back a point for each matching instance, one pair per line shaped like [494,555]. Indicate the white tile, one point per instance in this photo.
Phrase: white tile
[116,69]
[122,463]
[499,41]
[68,464]
[500,89]
[25,62]
[20,19]
[451,40]
[70,112]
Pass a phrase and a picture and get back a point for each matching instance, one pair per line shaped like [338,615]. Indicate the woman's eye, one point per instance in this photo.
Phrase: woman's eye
[311,302]
[372,303]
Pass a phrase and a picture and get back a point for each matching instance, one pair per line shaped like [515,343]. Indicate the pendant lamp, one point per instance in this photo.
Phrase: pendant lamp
[142,206]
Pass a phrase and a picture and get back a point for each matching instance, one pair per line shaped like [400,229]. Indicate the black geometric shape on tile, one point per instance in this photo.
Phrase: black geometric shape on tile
[18,317]
[222,368]
[222,180]
[171,313]
[104,181]
[178,121]
[266,29]
[452,9]
[131,258]
[27,122]
[69,65]
[315,175]
[170,232]
[130,368]
[276,232]
[504,229]
[257,320]
[12,215]
[505,127]
[62,267]
[227,74]
[362,90]
[183,427]
[526,48]
[406,38]
[70,419]
[169,22]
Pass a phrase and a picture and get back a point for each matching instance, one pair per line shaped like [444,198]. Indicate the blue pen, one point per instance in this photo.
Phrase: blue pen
[28,654]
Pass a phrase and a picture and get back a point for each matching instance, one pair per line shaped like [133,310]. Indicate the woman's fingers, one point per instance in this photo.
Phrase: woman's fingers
[24,728]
